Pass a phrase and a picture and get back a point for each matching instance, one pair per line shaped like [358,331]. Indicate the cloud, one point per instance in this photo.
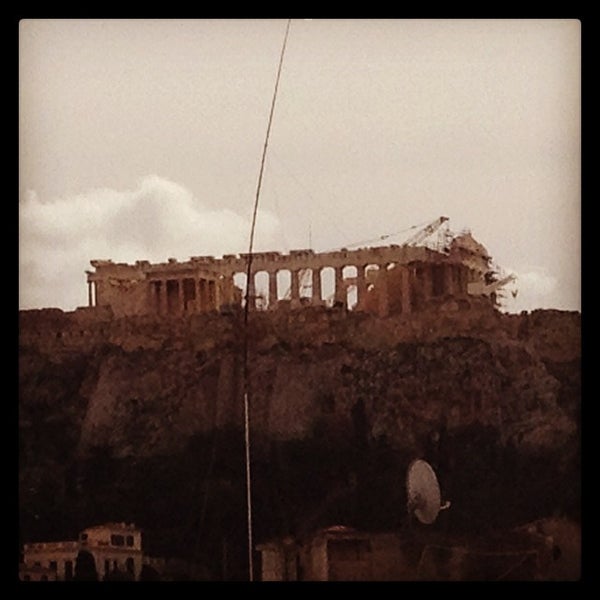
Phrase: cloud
[157,220]
[538,282]
[536,289]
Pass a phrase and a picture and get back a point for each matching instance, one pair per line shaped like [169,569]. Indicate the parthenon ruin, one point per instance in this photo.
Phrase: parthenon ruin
[386,279]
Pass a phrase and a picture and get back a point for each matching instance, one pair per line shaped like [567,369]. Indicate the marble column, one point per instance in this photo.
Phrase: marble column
[218,294]
[272,290]
[316,286]
[229,286]
[203,295]
[427,282]
[448,280]
[197,292]
[381,285]
[163,297]
[251,291]
[340,289]
[295,286]
[180,301]
[212,295]
[150,297]
[405,289]
[361,286]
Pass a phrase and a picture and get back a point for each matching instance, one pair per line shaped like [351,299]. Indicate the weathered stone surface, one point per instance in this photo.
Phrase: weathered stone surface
[340,402]
[149,384]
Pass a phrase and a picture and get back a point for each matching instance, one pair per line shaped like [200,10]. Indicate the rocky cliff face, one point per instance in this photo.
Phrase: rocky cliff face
[112,410]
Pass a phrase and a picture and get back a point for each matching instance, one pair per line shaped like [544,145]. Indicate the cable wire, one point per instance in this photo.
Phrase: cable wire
[246,312]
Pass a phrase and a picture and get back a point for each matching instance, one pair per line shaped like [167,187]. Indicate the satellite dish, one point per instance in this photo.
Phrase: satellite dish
[423,491]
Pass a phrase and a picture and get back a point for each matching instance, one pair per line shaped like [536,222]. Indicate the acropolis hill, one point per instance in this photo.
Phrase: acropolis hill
[139,394]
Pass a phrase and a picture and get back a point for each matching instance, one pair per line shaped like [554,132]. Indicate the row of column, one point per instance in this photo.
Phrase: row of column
[178,296]
[184,295]
[316,287]
[415,286]
[92,293]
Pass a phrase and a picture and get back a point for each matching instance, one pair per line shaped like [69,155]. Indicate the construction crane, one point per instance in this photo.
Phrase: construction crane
[424,233]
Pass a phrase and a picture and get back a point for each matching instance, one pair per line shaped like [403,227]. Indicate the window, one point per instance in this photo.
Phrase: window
[53,565]
[37,563]
[129,540]
[68,570]
[44,578]
[117,540]
[26,577]
[106,567]
[83,537]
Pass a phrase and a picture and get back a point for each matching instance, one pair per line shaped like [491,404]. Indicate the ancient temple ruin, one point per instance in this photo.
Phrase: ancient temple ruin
[386,280]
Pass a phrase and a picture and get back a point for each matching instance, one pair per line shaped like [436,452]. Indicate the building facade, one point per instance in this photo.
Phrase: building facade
[383,280]
[115,547]
[548,549]
[337,553]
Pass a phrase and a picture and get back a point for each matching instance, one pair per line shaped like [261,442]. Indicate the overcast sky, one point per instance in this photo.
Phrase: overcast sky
[142,140]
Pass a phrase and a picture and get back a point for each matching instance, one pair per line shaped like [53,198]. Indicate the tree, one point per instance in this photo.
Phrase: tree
[85,567]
